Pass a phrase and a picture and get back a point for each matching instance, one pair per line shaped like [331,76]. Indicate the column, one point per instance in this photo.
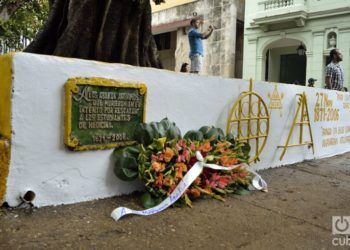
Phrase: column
[250,60]
[315,67]
[344,45]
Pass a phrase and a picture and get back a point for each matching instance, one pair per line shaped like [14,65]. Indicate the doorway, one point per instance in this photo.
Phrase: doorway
[293,69]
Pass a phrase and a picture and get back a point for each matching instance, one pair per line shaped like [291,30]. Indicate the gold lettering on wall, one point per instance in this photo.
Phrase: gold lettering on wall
[324,109]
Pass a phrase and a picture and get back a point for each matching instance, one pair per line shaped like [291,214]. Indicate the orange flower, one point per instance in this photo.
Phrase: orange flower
[157,166]
[180,167]
[205,147]
[197,181]
[221,145]
[171,189]
[195,192]
[169,181]
[227,161]
[159,180]
[168,154]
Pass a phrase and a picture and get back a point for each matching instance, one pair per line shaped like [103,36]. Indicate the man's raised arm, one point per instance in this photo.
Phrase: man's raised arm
[207,33]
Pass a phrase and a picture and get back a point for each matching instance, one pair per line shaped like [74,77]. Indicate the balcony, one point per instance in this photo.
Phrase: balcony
[275,14]
[275,4]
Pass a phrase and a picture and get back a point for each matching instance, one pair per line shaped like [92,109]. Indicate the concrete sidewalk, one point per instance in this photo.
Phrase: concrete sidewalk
[296,213]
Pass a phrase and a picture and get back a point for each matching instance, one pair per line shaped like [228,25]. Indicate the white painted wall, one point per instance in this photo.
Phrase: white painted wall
[41,162]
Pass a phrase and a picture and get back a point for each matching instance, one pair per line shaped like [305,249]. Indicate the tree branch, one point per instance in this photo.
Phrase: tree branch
[8,9]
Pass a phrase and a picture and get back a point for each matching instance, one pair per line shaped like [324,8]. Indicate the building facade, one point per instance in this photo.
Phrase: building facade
[223,50]
[276,29]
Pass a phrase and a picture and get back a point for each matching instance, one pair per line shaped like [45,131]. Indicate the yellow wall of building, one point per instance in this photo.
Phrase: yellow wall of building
[5,120]
[169,4]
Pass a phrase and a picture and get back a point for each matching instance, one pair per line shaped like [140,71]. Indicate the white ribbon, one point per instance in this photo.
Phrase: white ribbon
[257,182]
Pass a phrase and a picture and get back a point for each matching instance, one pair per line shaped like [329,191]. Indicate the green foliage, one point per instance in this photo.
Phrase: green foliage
[148,201]
[126,165]
[23,23]
[194,135]
[242,191]
[212,133]
[146,132]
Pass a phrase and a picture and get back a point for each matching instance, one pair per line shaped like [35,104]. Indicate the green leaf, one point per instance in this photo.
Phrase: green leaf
[204,129]
[194,135]
[188,201]
[242,191]
[129,174]
[126,163]
[230,137]
[155,127]
[163,127]
[173,132]
[221,134]
[169,129]
[218,197]
[212,133]
[145,134]
[147,200]
[219,190]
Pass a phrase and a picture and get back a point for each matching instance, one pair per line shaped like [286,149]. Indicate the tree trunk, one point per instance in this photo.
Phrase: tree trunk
[104,30]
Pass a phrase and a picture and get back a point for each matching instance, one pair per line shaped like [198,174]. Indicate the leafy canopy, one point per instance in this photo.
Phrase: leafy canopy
[24,23]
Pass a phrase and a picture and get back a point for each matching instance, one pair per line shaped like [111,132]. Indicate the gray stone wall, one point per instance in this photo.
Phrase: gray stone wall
[220,48]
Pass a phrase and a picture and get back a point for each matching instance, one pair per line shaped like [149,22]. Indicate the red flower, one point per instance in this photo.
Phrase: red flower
[186,154]
[180,158]
[154,157]
[217,180]
[243,174]
[224,181]
[180,145]
[192,161]
[192,147]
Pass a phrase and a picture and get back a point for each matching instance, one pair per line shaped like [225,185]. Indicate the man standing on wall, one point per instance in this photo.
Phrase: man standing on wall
[334,72]
[196,44]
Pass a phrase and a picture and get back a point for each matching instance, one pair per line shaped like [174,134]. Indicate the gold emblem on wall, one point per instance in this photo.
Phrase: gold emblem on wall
[276,100]
[249,120]
[302,119]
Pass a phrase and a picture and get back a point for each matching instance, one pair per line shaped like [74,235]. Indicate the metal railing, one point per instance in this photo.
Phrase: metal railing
[275,4]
